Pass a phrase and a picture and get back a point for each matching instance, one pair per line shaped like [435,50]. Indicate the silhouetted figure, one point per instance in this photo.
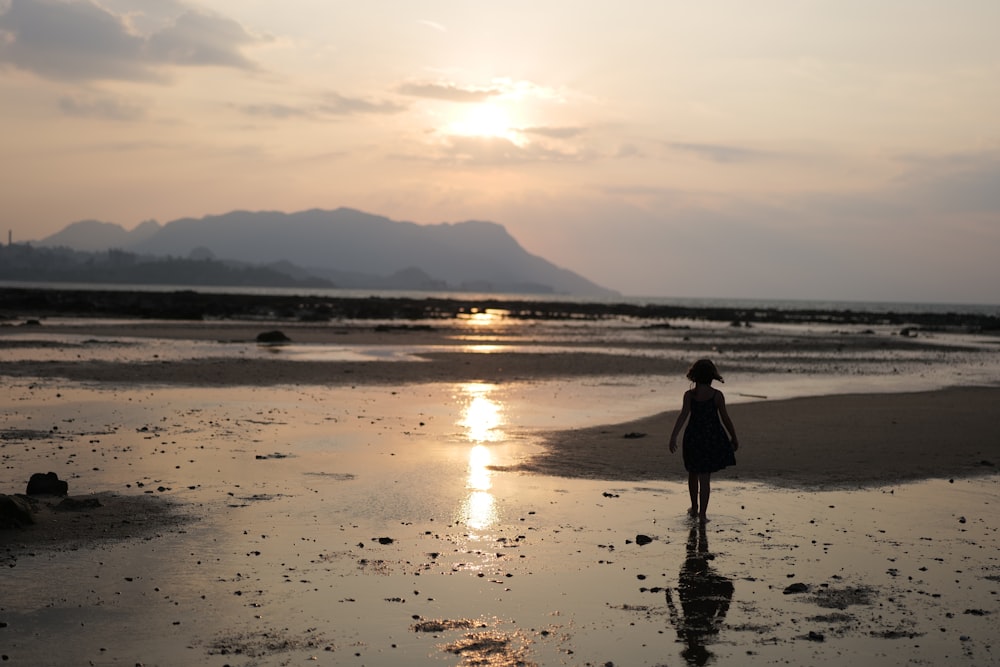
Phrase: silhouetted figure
[704,595]
[710,439]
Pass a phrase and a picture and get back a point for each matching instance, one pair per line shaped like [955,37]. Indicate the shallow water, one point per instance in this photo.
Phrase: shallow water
[294,487]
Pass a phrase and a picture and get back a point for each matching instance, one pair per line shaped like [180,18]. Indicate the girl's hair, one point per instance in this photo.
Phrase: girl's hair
[703,371]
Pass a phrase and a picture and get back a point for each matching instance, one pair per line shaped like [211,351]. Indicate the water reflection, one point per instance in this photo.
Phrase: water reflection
[705,596]
[485,317]
[481,418]
[479,507]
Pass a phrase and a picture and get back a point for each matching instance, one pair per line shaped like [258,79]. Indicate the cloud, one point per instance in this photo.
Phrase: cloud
[494,151]
[276,111]
[340,105]
[627,150]
[107,107]
[722,153]
[554,132]
[81,41]
[200,39]
[448,92]
[331,105]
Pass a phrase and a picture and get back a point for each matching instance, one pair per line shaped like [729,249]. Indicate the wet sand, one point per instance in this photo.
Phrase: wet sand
[471,508]
[821,441]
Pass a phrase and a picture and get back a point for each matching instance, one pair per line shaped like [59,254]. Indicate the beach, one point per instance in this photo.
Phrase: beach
[488,491]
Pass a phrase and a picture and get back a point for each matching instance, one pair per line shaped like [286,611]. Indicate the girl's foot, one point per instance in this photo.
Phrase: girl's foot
[693,512]
[702,519]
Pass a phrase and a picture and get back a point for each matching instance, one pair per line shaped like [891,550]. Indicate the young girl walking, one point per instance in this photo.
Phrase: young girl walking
[707,446]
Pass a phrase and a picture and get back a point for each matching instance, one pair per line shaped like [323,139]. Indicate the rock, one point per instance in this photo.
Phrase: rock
[47,484]
[796,588]
[633,435]
[77,504]
[15,511]
[273,337]
[643,540]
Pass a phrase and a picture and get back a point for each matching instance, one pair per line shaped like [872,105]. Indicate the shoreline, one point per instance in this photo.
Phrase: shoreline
[190,305]
[833,441]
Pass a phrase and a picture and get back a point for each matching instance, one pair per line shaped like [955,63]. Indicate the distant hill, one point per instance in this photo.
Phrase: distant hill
[21,262]
[93,235]
[347,247]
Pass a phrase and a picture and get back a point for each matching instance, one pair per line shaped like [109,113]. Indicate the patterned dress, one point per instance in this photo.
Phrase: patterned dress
[706,444]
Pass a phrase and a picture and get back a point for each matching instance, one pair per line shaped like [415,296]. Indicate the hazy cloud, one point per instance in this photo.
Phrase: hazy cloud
[331,105]
[640,190]
[496,151]
[721,153]
[108,107]
[336,104]
[197,39]
[627,150]
[448,92]
[81,41]
[554,132]
[278,111]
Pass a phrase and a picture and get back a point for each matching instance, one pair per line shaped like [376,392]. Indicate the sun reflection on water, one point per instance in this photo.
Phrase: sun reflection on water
[482,418]
[488,316]
[479,507]
[479,471]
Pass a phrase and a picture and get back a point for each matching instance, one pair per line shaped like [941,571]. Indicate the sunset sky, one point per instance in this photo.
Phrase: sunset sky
[812,149]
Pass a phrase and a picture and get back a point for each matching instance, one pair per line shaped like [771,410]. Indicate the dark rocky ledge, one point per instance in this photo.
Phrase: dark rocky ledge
[190,305]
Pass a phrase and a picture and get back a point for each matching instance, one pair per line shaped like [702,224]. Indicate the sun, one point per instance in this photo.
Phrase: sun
[488,120]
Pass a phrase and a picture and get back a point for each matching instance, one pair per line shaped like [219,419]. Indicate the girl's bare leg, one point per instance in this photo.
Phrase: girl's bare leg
[704,491]
[693,490]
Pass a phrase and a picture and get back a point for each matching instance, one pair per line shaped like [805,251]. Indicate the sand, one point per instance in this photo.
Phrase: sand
[515,506]
[816,442]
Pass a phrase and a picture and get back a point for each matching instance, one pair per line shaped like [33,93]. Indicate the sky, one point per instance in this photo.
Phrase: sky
[776,149]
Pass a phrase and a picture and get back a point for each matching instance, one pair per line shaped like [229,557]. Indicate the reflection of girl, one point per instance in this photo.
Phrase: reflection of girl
[707,447]
[705,597]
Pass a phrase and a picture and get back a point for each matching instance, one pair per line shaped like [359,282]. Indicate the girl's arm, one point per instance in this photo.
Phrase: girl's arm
[681,418]
[720,403]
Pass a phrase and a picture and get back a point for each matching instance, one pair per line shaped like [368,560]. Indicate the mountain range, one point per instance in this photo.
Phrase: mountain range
[344,247]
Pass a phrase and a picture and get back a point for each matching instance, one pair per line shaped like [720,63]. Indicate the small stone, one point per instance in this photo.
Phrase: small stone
[273,337]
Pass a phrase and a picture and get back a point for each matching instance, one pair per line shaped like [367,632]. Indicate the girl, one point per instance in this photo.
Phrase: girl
[707,448]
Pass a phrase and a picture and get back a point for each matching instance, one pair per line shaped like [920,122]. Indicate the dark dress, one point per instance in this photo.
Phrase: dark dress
[706,444]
